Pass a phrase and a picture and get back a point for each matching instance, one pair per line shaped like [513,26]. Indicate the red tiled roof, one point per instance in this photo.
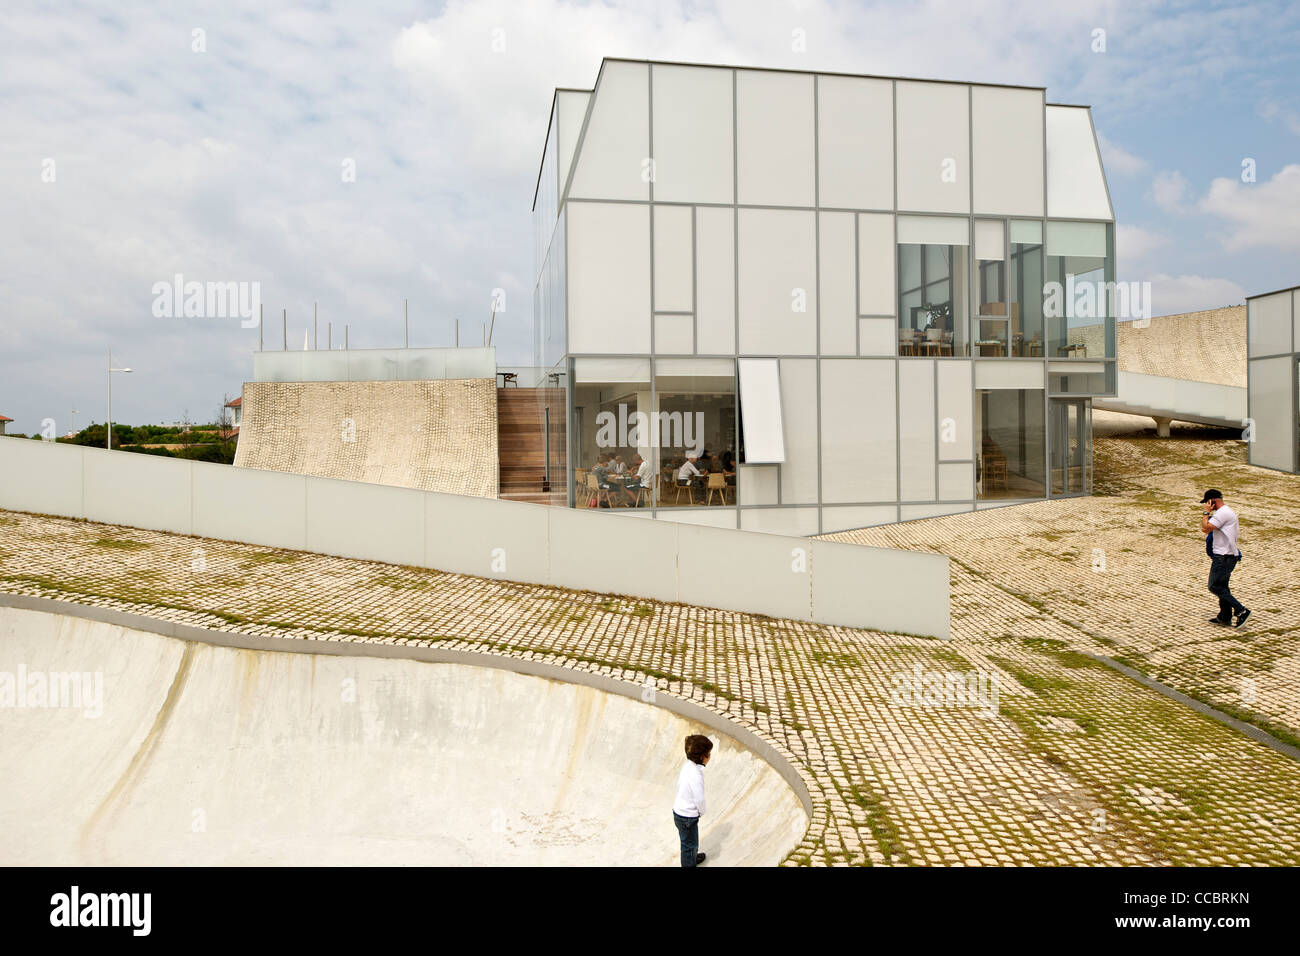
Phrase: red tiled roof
[3,419]
[235,403]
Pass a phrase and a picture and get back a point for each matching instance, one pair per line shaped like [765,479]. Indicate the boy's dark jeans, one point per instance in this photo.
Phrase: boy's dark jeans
[1221,566]
[689,830]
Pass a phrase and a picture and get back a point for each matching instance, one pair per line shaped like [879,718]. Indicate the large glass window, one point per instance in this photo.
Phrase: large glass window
[932,285]
[993,319]
[1011,459]
[1076,290]
[611,434]
[1025,288]
[670,445]
[695,425]
[1071,458]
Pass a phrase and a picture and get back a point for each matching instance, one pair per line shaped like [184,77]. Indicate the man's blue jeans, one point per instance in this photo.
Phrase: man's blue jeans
[688,828]
[1221,566]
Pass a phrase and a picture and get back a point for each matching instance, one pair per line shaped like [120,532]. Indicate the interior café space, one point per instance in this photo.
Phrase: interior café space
[1011,460]
[666,440]
[933,270]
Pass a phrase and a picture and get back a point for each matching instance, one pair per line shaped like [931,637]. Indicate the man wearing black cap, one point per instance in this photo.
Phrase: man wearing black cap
[1219,522]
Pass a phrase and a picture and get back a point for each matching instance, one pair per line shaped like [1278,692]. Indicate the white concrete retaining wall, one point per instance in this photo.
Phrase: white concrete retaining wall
[823,581]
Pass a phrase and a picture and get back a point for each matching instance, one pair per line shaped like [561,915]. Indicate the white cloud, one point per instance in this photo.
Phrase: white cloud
[1168,189]
[1257,215]
[1171,295]
[1119,160]
[1133,243]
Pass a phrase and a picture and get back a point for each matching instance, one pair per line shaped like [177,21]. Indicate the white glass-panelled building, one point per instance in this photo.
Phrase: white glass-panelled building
[842,300]
[1273,379]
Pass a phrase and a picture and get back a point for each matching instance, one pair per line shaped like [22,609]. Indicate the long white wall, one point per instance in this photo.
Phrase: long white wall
[822,581]
[1178,398]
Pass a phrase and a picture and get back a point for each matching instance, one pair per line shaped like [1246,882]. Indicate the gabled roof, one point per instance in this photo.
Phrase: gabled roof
[235,403]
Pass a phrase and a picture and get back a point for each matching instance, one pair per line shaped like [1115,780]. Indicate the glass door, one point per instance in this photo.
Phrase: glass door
[1070,447]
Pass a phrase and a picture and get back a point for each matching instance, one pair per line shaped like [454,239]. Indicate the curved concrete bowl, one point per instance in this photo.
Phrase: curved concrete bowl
[212,755]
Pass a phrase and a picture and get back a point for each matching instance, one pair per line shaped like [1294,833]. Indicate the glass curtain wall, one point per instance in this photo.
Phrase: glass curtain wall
[1025,288]
[994,315]
[933,263]
[696,432]
[1071,457]
[610,433]
[1079,272]
[669,445]
[1012,456]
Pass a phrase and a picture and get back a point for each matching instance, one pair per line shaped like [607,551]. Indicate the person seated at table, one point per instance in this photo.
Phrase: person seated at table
[620,468]
[603,471]
[728,462]
[688,471]
[640,479]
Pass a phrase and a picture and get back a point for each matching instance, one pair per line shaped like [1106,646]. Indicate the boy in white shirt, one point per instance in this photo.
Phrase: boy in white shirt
[689,805]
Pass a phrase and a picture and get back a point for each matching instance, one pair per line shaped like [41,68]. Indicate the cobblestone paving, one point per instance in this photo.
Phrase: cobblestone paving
[1075,765]
[1126,570]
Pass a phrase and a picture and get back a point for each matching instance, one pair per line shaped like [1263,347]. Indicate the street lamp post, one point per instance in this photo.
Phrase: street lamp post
[108,440]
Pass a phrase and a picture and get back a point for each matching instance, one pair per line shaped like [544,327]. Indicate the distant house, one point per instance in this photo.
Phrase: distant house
[3,422]
[236,417]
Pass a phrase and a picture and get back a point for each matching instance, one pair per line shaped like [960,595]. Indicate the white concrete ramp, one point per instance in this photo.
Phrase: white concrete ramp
[206,755]
[1189,368]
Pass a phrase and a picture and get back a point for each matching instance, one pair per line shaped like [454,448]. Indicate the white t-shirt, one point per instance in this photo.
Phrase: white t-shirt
[688,470]
[643,474]
[1225,534]
[690,791]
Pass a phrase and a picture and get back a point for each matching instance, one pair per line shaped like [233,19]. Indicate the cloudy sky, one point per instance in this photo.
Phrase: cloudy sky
[144,140]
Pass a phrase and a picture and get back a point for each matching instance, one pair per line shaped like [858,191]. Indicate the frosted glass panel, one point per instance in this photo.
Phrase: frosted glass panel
[875,264]
[934,230]
[1007,135]
[859,441]
[864,516]
[855,119]
[1076,239]
[673,256]
[839,314]
[774,133]
[572,109]
[799,412]
[609,277]
[988,240]
[1029,233]
[610,163]
[1076,187]
[957,481]
[955,396]
[791,521]
[692,134]
[877,337]
[715,281]
[933,147]
[1271,401]
[778,282]
[1008,374]
[916,427]
[674,334]
[1268,324]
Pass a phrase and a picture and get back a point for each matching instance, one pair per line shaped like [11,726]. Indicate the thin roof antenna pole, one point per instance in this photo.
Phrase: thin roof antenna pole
[458,333]
[315,328]
[492,321]
[284,329]
[260,322]
[406,326]
[345,337]
[329,336]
